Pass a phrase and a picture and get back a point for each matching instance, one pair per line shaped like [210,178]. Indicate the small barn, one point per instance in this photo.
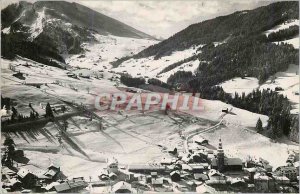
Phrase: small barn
[27,178]
[175,176]
[146,169]
[200,177]
[122,187]
[157,182]
[74,186]
[200,140]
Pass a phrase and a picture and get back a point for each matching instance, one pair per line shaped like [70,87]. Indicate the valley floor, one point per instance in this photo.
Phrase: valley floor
[132,138]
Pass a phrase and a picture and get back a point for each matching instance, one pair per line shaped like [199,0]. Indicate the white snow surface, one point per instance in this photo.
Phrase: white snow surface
[287,80]
[188,66]
[37,27]
[240,85]
[293,41]
[109,48]
[282,26]
[150,67]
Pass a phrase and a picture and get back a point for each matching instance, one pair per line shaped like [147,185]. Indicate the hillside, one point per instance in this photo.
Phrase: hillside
[255,43]
[48,31]
[242,23]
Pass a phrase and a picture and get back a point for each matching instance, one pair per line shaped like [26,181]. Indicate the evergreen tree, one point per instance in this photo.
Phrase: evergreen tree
[9,152]
[259,127]
[49,112]
[8,141]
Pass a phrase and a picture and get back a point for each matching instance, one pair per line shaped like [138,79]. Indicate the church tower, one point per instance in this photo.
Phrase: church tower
[220,157]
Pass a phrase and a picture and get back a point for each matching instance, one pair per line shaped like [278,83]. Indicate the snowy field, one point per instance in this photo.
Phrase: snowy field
[283,26]
[98,55]
[294,41]
[136,138]
[239,142]
[287,80]
[150,68]
[240,85]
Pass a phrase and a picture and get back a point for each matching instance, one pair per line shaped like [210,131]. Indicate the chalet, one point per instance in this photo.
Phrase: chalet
[166,161]
[204,188]
[74,186]
[281,180]
[19,75]
[201,177]
[103,177]
[198,158]
[215,178]
[53,173]
[264,183]
[172,150]
[290,172]
[186,167]
[146,169]
[252,171]
[225,110]
[84,75]
[261,163]
[197,168]
[175,176]
[154,174]
[14,184]
[72,75]
[238,182]
[157,182]
[122,187]
[200,140]
[112,176]
[27,178]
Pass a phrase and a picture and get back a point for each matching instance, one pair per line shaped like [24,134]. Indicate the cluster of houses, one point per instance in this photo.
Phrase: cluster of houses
[50,180]
[203,171]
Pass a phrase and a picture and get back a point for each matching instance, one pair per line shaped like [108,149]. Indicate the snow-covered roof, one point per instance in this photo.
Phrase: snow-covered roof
[236,180]
[23,172]
[204,188]
[214,172]
[121,186]
[157,181]
[261,176]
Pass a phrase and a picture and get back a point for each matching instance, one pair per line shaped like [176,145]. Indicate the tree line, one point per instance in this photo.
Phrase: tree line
[284,34]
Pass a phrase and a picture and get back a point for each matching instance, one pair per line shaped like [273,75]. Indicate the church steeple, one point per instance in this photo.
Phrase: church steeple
[220,156]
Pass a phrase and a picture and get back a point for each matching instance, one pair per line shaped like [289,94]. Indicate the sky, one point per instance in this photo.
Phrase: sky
[163,18]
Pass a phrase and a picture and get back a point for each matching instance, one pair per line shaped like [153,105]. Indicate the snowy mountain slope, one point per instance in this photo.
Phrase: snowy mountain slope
[105,49]
[284,25]
[233,31]
[33,14]
[149,67]
[287,81]
[239,85]
[293,41]
[56,29]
